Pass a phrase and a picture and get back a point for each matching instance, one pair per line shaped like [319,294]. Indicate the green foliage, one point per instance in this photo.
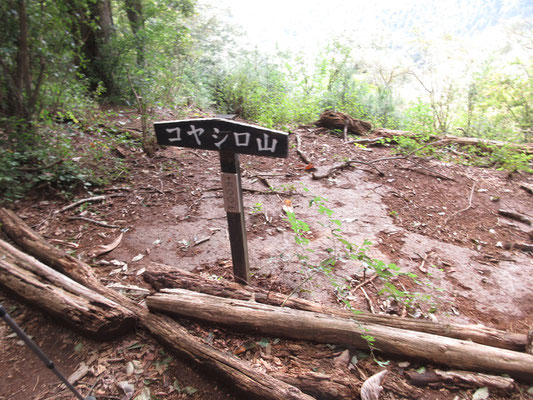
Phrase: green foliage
[42,162]
[343,249]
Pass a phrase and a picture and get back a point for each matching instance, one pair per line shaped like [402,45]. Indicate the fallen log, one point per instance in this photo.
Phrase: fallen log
[458,140]
[33,243]
[242,376]
[161,276]
[529,345]
[464,377]
[317,327]
[78,307]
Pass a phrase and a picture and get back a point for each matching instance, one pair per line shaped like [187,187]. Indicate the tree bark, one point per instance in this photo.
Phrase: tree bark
[78,307]
[243,377]
[317,327]
[162,276]
[336,120]
[33,243]
[134,11]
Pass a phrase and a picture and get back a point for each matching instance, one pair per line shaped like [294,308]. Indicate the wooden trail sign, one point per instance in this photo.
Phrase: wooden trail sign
[230,138]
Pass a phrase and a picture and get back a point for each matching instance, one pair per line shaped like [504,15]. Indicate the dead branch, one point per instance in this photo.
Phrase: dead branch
[305,325]
[163,276]
[527,188]
[371,163]
[302,155]
[515,216]
[463,377]
[463,209]
[78,307]
[245,378]
[368,301]
[365,282]
[93,221]
[88,200]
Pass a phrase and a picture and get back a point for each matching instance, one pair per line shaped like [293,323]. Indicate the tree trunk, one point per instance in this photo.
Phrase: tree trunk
[317,327]
[74,304]
[92,31]
[134,11]
[243,377]
[162,276]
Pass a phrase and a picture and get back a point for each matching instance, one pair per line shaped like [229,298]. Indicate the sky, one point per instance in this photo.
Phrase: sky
[308,24]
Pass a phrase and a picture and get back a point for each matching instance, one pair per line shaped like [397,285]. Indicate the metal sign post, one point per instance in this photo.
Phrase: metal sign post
[230,138]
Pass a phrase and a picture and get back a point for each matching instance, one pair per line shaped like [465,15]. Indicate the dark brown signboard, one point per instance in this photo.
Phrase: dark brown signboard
[223,135]
[229,138]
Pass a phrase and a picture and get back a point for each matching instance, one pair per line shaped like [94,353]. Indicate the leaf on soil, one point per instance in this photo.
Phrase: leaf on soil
[78,347]
[264,343]
[530,390]
[129,368]
[481,394]
[138,257]
[189,390]
[372,386]
[144,395]
[103,249]
[343,359]
[78,374]
[126,387]
[245,347]
[134,346]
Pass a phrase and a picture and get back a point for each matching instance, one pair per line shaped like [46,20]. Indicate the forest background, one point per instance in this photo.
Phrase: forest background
[413,66]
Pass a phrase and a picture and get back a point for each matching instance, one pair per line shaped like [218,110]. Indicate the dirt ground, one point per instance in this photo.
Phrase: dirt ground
[437,220]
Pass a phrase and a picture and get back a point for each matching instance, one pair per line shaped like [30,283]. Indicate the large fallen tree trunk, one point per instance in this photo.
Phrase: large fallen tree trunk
[163,276]
[242,376]
[33,243]
[461,141]
[317,327]
[74,304]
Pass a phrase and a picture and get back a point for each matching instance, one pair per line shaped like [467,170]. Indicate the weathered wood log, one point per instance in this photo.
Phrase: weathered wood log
[340,386]
[33,243]
[337,120]
[243,377]
[317,327]
[529,345]
[78,307]
[464,377]
[161,276]
[461,141]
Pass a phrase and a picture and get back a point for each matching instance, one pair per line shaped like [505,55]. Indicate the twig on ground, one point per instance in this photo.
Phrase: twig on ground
[365,283]
[463,209]
[369,302]
[93,221]
[527,188]
[302,155]
[371,163]
[112,189]
[88,200]
[40,167]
